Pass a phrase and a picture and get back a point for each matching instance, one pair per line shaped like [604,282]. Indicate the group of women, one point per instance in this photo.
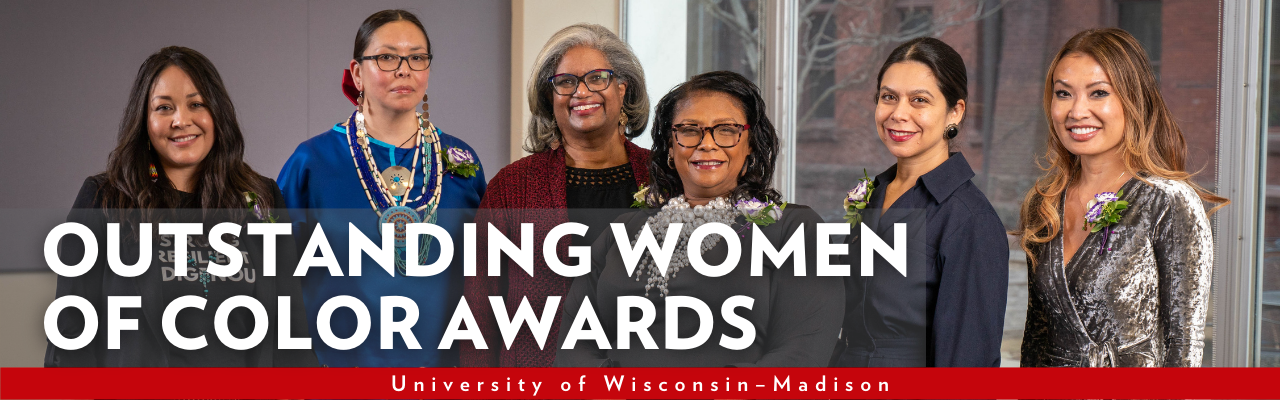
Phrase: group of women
[1115,232]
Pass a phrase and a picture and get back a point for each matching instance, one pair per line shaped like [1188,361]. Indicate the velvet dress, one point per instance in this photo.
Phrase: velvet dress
[1136,296]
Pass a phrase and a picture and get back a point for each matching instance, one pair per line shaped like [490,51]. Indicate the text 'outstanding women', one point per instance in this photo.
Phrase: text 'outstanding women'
[360,245]
[318,252]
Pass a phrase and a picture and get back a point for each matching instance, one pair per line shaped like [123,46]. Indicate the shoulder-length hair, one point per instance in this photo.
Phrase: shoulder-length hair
[543,133]
[1152,145]
[757,179]
[222,177]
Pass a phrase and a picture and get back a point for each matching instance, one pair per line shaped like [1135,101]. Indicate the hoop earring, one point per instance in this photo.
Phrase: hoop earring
[671,161]
[952,130]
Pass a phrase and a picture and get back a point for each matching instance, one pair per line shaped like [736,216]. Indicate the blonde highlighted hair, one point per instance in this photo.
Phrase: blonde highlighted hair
[1152,145]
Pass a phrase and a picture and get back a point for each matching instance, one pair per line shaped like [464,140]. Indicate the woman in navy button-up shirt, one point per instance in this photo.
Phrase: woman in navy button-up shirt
[949,308]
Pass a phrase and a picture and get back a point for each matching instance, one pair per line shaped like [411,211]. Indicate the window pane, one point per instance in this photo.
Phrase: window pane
[1269,320]
[1006,47]
[677,39]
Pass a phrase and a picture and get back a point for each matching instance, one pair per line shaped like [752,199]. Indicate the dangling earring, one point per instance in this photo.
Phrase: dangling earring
[425,107]
[952,130]
[622,122]
[154,174]
[671,162]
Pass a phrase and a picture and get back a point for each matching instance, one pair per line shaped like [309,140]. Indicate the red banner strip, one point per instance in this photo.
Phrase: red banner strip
[636,383]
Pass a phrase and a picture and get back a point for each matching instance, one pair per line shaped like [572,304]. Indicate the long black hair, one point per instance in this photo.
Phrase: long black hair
[222,177]
[756,180]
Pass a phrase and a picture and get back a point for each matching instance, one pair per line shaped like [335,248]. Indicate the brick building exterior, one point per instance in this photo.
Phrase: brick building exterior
[1005,129]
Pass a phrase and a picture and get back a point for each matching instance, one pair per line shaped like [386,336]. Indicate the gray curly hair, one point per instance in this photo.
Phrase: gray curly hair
[543,132]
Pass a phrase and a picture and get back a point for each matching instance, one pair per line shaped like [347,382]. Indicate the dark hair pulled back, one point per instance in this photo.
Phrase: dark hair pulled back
[377,20]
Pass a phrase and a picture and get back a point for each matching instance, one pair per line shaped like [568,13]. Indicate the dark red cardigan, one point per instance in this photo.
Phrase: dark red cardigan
[530,190]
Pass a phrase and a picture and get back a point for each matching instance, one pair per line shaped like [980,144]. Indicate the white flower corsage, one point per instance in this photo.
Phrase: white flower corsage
[639,197]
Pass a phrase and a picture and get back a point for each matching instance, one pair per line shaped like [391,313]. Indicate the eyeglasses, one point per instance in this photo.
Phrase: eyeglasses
[596,80]
[391,62]
[723,135]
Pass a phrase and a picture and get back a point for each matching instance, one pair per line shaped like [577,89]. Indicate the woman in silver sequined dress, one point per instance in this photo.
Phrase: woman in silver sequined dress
[1119,247]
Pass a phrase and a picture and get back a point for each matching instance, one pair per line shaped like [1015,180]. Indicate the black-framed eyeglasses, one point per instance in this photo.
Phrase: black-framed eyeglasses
[596,80]
[723,135]
[391,62]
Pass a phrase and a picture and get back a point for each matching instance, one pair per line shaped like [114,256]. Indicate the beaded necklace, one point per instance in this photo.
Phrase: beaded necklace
[393,186]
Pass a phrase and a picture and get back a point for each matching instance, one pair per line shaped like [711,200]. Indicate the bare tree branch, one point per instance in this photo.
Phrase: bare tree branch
[820,51]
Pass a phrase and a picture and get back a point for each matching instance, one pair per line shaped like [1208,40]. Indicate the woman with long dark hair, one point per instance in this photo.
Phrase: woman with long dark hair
[1119,247]
[179,147]
[385,163]
[712,161]
[945,307]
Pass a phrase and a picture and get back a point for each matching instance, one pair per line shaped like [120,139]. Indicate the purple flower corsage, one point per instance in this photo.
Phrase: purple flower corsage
[857,199]
[759,212]
[259,212]
[1102,212]
[460,162]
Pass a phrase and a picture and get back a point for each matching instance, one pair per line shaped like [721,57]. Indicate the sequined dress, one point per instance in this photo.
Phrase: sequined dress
[1134,297]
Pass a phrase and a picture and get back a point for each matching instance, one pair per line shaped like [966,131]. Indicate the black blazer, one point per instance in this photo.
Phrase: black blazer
[147,347]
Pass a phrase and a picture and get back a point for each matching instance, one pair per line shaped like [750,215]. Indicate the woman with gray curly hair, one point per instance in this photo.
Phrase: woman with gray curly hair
[587,98]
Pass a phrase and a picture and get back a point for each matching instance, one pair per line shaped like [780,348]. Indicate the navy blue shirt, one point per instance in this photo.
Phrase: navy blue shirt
[948,311]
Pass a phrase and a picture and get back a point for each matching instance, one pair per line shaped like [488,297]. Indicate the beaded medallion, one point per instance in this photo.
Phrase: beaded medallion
[390,191]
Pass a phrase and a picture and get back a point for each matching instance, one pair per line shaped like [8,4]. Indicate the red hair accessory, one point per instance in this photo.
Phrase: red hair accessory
[349,87]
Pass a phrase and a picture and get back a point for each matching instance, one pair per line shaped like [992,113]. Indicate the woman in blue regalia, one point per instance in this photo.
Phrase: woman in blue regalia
[385,163]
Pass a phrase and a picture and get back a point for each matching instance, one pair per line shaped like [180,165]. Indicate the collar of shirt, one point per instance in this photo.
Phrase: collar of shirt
[939,183]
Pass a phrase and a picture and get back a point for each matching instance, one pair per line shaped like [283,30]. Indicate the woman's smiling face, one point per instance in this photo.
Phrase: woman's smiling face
[911,112]
[179,123]
[709,170]
[585,111]
[1085,112]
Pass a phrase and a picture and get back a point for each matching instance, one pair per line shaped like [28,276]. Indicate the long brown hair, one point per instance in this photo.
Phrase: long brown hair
[222,177]
[1152,145]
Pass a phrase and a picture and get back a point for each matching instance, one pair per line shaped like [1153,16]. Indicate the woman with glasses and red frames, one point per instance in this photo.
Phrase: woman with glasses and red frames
[712,162]
[385,163]
[587,98]
[948,309]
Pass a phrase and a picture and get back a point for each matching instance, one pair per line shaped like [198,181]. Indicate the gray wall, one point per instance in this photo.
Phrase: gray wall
[66,68]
